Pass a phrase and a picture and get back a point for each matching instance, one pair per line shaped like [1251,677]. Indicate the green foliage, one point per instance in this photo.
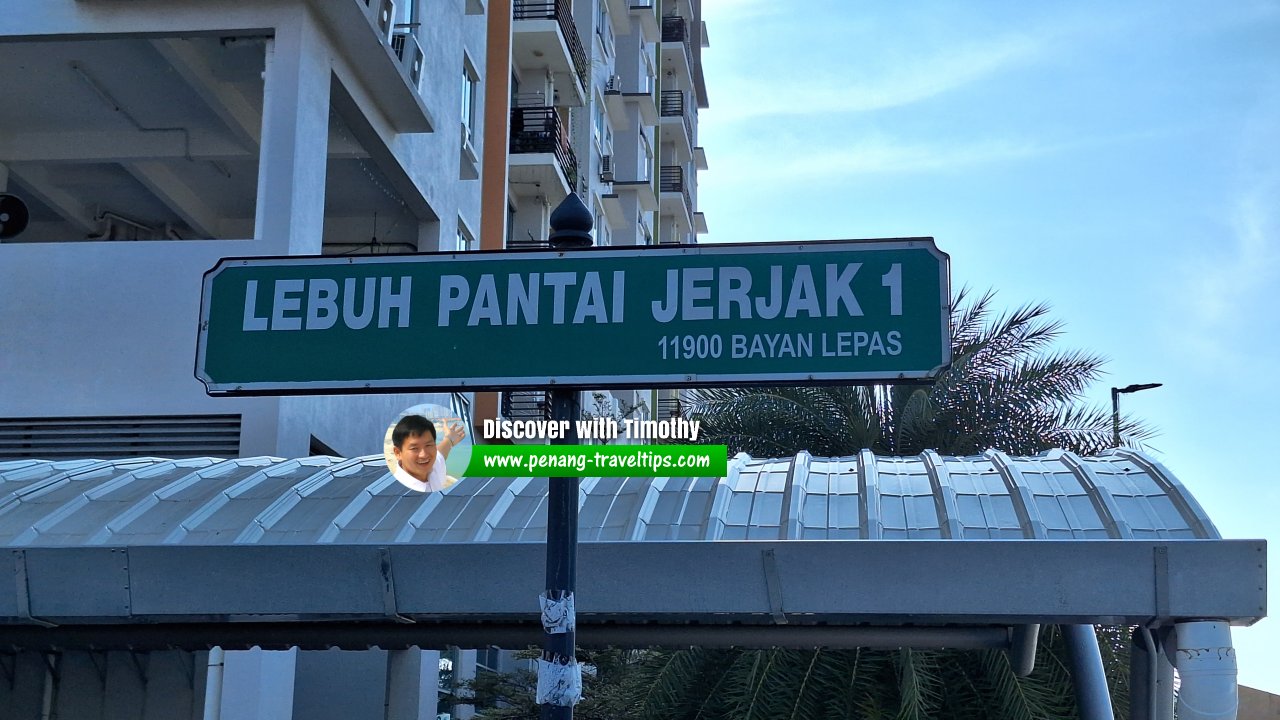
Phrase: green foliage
[607,694]
[857,684]
[1005,389]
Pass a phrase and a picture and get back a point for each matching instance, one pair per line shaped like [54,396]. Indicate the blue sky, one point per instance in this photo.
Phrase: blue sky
[1120,161]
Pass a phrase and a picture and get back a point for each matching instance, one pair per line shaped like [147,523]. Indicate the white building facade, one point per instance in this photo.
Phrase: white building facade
[149,139]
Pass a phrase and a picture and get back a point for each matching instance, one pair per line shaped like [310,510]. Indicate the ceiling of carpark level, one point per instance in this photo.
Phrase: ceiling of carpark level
[83,99]
[56,97]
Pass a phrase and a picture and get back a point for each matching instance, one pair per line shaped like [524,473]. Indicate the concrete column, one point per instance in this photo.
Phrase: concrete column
[413,681]
[497,117]
[258,684]
[295,139]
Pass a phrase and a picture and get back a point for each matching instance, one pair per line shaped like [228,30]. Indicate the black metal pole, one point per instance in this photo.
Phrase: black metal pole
[1115,417]
[559,677]
[562,551]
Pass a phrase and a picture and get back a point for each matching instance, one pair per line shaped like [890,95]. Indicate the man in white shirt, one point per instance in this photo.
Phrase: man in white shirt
[419,458]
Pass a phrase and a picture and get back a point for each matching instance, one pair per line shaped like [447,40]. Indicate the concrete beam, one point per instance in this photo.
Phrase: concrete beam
[224,99]
[816,583]
[115,146]
[36,180]
[161,180]
[125,146]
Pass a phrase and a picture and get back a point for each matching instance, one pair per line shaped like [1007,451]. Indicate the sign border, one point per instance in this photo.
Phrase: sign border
[576,382]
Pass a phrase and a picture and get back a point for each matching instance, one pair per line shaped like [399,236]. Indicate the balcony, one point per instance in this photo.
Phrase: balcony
[669,405]
[405,45]
[386,60]
[620,91]
[676,50]
[674,199]
[644,13]
[676,123]
[540,152]
[545,37]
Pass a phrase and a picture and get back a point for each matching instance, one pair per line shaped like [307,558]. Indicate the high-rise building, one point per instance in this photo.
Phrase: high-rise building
[146,140]
[150,139]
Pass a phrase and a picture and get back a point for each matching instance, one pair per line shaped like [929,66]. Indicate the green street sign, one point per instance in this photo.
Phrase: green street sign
[643,317]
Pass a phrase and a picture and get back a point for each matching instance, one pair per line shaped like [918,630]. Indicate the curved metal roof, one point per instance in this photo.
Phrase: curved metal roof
[204,501]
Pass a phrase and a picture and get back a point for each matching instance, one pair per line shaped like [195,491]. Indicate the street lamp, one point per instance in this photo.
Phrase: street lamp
[1115,407]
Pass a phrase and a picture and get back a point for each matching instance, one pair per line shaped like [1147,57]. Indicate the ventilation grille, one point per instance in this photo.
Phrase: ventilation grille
[106,438]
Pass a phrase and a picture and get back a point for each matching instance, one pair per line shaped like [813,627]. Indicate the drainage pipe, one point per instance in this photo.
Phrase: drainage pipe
[46,704]
[213,684]
[1206,664]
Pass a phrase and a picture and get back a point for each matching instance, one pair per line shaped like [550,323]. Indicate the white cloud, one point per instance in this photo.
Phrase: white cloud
[844,88]
[868,155]
[1229,286]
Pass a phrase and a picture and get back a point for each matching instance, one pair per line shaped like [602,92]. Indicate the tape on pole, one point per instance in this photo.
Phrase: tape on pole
[559,683]
[557,614]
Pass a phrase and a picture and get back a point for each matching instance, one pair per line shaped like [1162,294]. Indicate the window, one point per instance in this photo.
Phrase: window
[599,126]
[470,89]
[488,659]
[647,166]
[406,13]
[604,30]
[466,241]
[604,234]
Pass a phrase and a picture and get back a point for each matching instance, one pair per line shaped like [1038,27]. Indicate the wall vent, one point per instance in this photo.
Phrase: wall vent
[106,438]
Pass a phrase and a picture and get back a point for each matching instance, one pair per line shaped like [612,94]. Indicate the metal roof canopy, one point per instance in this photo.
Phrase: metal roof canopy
[324,552]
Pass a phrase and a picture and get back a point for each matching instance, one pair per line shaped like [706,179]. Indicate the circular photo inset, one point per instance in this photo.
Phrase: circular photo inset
[427,447]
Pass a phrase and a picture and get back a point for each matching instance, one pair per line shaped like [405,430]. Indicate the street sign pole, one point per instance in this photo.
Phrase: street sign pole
[559,675]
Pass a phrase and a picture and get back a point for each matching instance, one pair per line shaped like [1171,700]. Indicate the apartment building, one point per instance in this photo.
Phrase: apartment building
[146,140]
[604,102]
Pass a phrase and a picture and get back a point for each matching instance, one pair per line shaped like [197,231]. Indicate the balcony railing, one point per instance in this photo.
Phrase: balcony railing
[673,105]
[669,407]
[559,11]
[675,29]
[671,179]
[539,130]
[526,405]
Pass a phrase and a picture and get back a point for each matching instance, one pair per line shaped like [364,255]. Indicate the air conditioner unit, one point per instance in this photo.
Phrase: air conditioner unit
[606,168]
[386,19]
[614,84]
[409,52]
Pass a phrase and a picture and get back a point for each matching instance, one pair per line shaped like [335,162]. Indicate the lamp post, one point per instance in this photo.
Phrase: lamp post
[559,675]
[1115,407]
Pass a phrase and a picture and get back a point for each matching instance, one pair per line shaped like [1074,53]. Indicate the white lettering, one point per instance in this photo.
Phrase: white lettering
[694,291]
[667,314]
[590,301]
[840,290]
[735,282]
[398,301]
[251,320]
[285,301]
[770,310]
[322,303]
[349,316]
[522,298]
[804,296]
[486,306]
[558,282]
[454,293]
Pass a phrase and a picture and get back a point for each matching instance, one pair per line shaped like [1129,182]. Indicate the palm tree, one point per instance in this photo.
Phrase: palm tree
[1005,389]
